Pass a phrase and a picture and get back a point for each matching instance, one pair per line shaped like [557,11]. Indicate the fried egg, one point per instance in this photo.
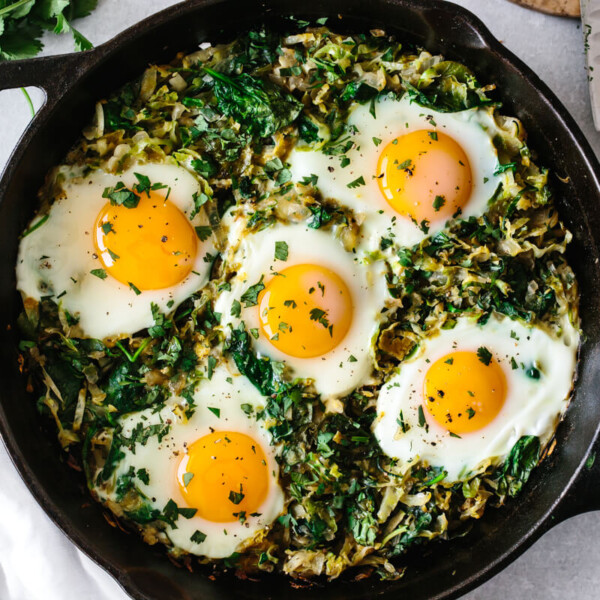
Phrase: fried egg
[308,302]
[473,391]
[409,169]
[106,263]
[217,465]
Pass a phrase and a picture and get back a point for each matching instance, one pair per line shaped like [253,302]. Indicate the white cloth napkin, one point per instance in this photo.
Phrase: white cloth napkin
[37,562]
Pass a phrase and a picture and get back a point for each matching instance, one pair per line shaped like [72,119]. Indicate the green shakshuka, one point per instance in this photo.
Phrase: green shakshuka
[300,302]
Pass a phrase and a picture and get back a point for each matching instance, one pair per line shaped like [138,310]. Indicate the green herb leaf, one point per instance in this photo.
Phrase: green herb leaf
[203,232]
[198,537]
[236,497]
[119,195]
[143,476]
[250,296]
[100,273]
[135,289]
[211,363]
[236,309]
[438,202]
[484,355]
[356,183]
[281,251]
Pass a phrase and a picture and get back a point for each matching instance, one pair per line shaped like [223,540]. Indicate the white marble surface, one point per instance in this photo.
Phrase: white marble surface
[38,563]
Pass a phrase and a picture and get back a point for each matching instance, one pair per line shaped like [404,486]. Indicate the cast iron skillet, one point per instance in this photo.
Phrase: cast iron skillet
[563,486]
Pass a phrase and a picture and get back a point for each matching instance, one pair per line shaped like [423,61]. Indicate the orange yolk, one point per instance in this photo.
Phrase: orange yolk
[305,310]
[462,393]
[425,175]
[223,474]
[152,246]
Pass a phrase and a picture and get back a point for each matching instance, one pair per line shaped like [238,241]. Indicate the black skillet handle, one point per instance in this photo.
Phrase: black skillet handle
[54,74]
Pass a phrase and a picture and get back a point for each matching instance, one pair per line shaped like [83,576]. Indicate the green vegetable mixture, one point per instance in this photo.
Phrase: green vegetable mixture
[231,114]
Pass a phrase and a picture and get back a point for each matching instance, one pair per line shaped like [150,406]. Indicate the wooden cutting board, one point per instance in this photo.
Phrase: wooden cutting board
[564,8]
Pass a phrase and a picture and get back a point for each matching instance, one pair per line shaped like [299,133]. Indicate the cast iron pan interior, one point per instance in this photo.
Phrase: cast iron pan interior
[73,84]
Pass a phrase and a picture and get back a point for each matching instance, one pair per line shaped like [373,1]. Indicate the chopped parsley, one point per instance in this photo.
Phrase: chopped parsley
[250,296]
[484,355]
[236,497]
[198,537]
[100,273]
[281,251]
[356,183]
[438,202]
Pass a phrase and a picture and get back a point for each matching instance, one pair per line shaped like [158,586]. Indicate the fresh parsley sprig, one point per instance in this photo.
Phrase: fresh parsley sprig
[22,24]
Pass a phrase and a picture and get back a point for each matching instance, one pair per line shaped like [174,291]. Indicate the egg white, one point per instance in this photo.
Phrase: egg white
[472,129]
[225,392]
[349,364]
[532,406]
[57,258]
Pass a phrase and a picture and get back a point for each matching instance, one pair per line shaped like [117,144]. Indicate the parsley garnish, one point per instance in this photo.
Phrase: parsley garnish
[356,183]
[24,24]
[187,477]
[198,537]
[144,185]
[135,289]
[438,202]
[199,201]
[161,323]
[236,309]
[250,296]
[210,367]
[403,425]
[215,411]
[119,195]
[236,497]
[316,314]
[310,180]
[203,232]
[484,355]
[100,273]
[205,168]
[281,251]
[171,512]
[143,476]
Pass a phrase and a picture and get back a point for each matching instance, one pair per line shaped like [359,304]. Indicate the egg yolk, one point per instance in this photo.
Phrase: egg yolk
[223,474]
[305,310]
[425,175]
[462,393]
[151,246]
